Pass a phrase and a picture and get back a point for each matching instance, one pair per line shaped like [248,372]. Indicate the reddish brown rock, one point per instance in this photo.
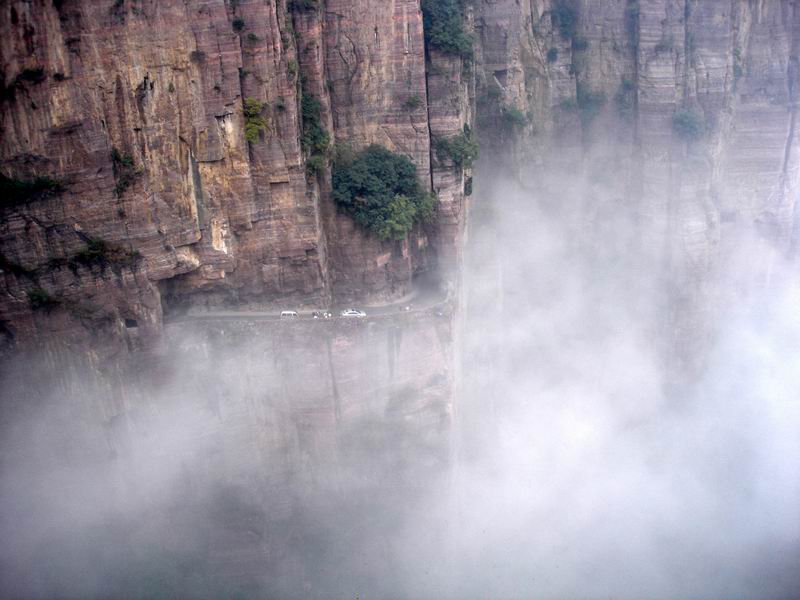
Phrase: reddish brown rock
[217,220]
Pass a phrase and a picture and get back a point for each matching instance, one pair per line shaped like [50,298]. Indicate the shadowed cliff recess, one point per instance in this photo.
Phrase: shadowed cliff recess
[399,299]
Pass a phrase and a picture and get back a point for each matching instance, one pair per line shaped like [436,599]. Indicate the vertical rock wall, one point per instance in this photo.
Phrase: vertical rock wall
[136,107]
[691,106]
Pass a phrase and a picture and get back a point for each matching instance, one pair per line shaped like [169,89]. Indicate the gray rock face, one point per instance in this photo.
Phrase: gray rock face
[691,105]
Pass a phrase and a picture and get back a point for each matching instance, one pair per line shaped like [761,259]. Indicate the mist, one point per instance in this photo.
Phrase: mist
[607,467]
[590,453]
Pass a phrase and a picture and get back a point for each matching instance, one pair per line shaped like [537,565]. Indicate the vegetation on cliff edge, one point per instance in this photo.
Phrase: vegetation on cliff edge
[125,171]
[380,190]
[100,253]
[443,21]
[18,191]
[314,139]
[254,123]
[462,148]
[41,299]
[688,124]
[302,5]
[565,17]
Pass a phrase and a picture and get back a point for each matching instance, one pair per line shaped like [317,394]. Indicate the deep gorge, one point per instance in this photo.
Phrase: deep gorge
[591,393]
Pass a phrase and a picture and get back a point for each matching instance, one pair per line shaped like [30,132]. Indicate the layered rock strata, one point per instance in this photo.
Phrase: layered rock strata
[679,115]
[136,109]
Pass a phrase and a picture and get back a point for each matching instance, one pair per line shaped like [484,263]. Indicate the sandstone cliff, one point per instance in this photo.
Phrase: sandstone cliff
[137,109]
[678,114]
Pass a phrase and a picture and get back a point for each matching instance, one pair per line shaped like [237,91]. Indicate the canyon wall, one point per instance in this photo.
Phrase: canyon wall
[136,108]
[678,114]
[240,449]
[243,440]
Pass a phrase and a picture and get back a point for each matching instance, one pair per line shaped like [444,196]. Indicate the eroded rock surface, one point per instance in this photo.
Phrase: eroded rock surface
[136,107]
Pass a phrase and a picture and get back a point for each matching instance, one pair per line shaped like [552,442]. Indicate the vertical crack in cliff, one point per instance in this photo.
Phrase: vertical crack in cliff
[197,190]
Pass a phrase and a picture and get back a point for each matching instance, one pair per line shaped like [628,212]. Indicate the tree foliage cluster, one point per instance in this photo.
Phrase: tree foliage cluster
[302,5]
[688,124]
[513,118]
[443,21]
[380,190]
[314,139]
[100,253]
[17,191]
[124,170]
[590,103]
[40,299]
[565,18]
[462,148]
[254,123]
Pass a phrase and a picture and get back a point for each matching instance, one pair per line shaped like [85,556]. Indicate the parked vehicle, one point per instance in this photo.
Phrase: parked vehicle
[315,314]
[326,315]
[288,314]
[353,313]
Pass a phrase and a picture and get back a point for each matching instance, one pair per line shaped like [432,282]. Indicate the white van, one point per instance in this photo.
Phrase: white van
[288,314]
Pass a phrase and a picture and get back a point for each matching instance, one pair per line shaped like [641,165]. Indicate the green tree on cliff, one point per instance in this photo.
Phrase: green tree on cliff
[443,21]
[380,190]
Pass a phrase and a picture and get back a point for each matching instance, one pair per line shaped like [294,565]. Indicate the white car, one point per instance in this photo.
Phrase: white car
[288,314]
[352,312]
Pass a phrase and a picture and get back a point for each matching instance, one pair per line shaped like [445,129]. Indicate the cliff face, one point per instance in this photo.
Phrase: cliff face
[261,429]
[136,108]
[678,114]
[240,448]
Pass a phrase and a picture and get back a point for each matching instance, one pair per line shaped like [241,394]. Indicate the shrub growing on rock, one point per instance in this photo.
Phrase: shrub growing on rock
[688,124]
[590,103]
[254,123]
[579,43]
[565,18]
[443,22]
[32,75]
[17,191]
[302,5]
[315,165]
[380,190]
[412,103]
[40,299]
[315,138]
[124,170]
[624,97]
[100,253]
[513,118]
[462,149]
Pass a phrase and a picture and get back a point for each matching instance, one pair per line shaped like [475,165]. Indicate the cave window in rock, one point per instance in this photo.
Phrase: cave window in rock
[131,323]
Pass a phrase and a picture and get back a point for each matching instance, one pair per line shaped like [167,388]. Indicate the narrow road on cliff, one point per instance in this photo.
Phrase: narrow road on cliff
[420,300]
